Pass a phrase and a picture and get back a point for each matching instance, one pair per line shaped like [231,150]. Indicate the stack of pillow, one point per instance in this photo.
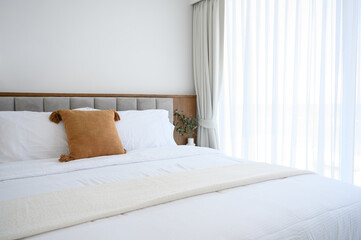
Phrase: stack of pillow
[87,132]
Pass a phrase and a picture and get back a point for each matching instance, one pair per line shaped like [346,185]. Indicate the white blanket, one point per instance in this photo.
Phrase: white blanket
[301,207]
[24,217]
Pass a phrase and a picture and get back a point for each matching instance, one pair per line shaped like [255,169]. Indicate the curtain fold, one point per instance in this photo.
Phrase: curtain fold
[292,85]
[208,50]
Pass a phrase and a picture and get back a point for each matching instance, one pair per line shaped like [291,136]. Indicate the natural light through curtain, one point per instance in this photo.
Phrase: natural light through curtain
[285,99]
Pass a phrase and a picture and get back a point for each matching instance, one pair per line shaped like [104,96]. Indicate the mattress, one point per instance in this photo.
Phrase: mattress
[300,207]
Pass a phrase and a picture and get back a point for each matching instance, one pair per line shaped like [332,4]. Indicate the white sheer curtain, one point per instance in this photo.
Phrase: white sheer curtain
[292,89]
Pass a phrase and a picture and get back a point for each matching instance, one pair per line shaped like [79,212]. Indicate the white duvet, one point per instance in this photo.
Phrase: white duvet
[301,207]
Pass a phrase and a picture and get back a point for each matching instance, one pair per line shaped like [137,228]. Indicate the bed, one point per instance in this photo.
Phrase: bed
[258,201]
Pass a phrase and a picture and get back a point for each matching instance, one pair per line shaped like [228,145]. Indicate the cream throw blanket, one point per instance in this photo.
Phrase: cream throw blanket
[36,214]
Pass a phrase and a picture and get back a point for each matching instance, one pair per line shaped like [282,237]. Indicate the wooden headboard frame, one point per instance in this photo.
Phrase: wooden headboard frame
[185,103]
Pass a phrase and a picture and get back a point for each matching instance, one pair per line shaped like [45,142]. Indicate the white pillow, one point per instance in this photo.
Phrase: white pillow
[139,129]
[145,129]
[86,109]
[30,135]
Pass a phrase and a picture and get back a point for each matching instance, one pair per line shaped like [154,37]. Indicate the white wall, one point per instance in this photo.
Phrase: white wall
[96,46]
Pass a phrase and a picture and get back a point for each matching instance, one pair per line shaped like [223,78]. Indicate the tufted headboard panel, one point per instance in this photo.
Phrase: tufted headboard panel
[50,104]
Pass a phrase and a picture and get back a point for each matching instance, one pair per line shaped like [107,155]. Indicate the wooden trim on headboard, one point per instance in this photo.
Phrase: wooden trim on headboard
[184,103]
[27,94]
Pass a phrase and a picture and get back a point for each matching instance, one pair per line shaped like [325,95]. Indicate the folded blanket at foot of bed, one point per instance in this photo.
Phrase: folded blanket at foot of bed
[28,216]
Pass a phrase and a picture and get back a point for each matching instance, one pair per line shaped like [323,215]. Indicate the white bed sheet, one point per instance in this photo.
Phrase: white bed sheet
[302,207]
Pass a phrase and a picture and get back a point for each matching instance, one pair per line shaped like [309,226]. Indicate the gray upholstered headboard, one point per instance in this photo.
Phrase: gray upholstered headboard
[50,104]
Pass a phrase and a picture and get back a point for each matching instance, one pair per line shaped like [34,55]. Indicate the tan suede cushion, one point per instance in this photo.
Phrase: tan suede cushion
[90,133]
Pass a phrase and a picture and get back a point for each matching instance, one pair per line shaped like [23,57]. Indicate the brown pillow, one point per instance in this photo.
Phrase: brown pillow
[90,133]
